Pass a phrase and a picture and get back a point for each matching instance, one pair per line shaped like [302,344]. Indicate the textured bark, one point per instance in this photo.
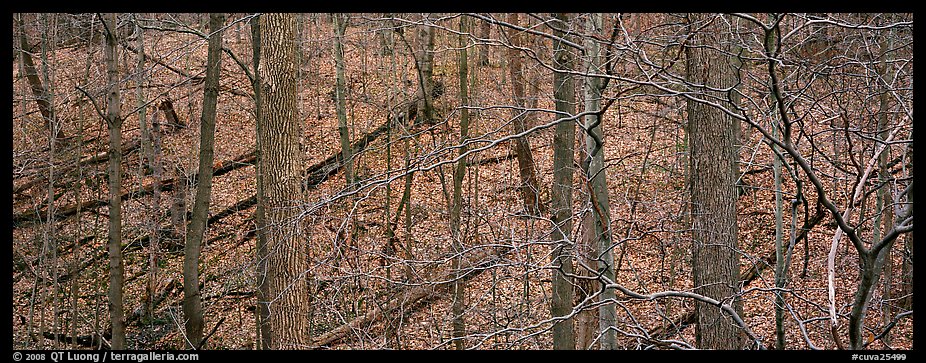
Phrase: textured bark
[600,224]
[563,171]
[114,121]
[192,302]
[715,267]
[263,326]
[287,300]
[529,186]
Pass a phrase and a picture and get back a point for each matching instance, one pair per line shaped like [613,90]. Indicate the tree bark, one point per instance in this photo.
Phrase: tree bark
[340,24]
[561,199]
[263,314]
[282,166]
[600,224]
[459,285]
[715,266]
[114,121]
[425,66]
[530,188]
[192,301]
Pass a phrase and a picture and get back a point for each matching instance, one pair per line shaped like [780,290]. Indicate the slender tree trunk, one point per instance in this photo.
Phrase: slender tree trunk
[780,267]
[282,163]
[340,24]
[598,187]
[141,75]
[529,186]
[563,153]
[425,66]
[38,90]
[264,332]
[884,203]
[192,301]
[114,121]
[484,30]
[459,172]
[715,266]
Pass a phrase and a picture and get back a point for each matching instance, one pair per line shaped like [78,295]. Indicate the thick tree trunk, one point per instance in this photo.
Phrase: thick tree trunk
[192,303]
[114,121]
[562,214]
[715,266]
[287,274]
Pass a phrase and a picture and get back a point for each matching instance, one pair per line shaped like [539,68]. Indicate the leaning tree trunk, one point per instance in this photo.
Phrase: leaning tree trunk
[192,301]
[35,83]
[561,198]
[114,121]
[713,157]
[282,164]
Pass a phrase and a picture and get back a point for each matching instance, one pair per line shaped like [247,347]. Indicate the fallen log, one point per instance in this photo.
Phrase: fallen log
[26,218]
[472,265]
[94,341]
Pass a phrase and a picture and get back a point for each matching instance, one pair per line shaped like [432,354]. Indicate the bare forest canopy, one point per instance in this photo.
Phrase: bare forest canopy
[462,181]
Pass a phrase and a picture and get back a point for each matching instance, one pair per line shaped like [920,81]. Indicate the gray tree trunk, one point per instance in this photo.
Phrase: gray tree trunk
[114,121]
[340,24]
[192,301]
[563,170]
[600,224]
[459,286]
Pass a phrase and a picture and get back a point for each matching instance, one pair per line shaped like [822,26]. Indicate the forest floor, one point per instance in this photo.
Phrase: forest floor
[357,268]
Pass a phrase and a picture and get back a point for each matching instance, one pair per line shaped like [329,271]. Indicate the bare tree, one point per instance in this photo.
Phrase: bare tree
[114,122]
[192,301]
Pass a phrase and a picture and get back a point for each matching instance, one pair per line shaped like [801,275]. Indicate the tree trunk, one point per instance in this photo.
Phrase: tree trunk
[263,292]
[715,266]
[146,153]
[529,186]
[459,286]
[38,90]
[561,198]
[114,121]
[484,30]
[282,166]
[340,24]
[885,215]
[780,267]
[192,303]
[598,187]
[425,65]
